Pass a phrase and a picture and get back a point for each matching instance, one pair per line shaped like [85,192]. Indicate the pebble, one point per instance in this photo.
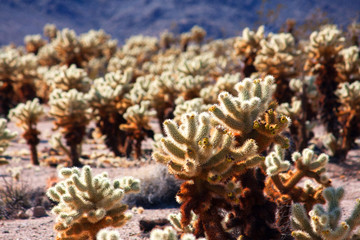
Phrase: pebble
[22,215]
[37,212]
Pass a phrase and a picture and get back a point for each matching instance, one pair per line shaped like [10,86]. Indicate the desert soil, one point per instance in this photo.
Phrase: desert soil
[346,175]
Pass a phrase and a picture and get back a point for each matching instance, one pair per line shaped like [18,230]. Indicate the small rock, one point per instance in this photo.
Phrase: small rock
[22,215]
[37,212]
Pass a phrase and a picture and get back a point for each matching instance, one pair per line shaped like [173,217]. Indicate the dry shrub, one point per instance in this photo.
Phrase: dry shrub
[19,196]
[158,188]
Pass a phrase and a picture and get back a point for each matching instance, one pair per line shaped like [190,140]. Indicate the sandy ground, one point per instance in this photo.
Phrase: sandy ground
[346,175]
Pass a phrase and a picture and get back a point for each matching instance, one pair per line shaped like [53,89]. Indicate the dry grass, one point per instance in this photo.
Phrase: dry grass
[19,196]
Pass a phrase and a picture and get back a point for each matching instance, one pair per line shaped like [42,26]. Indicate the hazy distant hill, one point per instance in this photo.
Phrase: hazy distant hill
[123,18]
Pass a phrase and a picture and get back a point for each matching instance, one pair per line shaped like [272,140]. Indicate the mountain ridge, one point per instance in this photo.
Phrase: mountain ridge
[122,19]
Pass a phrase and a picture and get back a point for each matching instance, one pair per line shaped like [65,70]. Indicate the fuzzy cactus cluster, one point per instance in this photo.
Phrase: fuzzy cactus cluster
[198,150]
[326,223]
[27,116]
[66,78]
[89,203]
[72,113]
[212,150]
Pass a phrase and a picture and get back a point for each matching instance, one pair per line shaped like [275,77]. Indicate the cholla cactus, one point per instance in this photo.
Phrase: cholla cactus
[106,234]
[72,49]
[292,110]
[225,83]
[47,55]
[170,234]
[324,46]
[67,47]
[305,90]
[9,62]
[108,102]
[193,105]
[250,115]
[56,143]
[349,116]
[249,42]
[197,66]
[175,220]
[247,46]
[72,113]
[117,64]
[88,204]
[198,152]
[162,94]
[33,43]
[66,78]
[17,76]
[140,47]
[275,162]
[282,184]
[5,135]
[241,113]
[348,69]
[302,110]
[27,116]
[185,39]
[140,89]
[349,95]
[25,76]
[190,86]
[197,34]
[324,224]
[301,128]
[8,65]
[323,55]
[166,39]
[50,31]
[96,44]
[276,57]
[137,127]
[190,152]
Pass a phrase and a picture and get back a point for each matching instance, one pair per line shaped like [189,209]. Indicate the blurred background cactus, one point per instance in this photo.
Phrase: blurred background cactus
[5,137]
[137,127]
[72,114]
[108,104]
[27,117]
